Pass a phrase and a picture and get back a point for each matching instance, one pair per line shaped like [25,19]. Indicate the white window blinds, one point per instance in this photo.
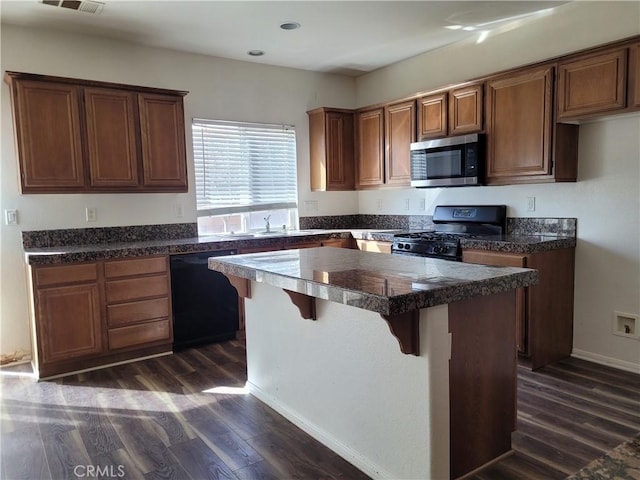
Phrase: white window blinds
[244,167]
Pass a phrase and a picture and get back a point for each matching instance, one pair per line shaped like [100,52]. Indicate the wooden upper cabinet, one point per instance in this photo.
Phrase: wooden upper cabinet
[432,116]
[455,112]
[524,144]
[49,140]
[111,137]
[86,136]
[634,77]
[370,134]
[163,144]
[332,153]
[519,125]
[466,109]
[400,132]
[592,84]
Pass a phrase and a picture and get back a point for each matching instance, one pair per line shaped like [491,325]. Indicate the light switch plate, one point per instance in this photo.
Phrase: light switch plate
[11,216]
[91,214]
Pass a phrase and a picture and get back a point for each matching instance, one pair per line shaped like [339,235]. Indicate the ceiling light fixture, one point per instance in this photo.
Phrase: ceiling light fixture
[290,25]
[255,53]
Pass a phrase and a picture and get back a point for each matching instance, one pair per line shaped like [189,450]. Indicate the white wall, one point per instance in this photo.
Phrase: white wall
[220,89]
[606,198]
[607,262]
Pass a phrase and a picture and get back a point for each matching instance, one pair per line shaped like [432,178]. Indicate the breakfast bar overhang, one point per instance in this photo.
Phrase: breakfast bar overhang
[405,366]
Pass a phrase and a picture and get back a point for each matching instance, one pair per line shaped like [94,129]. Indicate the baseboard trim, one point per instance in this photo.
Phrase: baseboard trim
[100,367]
[329,441]
[608,361]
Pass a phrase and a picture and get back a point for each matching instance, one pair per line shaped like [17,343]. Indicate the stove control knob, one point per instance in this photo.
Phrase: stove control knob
[407,246]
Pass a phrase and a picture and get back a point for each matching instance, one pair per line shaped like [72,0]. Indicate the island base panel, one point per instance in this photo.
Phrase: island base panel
[482,374]
[344,380]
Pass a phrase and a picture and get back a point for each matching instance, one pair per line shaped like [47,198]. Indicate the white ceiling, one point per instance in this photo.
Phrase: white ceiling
[347,37]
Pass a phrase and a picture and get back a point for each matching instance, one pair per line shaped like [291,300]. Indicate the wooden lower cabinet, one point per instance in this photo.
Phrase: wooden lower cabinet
[70,322]
[96,313]
[338,242]
[544,312]
[137,295]
[374,246]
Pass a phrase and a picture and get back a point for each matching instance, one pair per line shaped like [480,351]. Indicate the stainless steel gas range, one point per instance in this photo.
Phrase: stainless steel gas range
[452,222]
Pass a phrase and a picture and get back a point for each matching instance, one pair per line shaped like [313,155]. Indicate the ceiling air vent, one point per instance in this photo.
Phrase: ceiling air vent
[88,6]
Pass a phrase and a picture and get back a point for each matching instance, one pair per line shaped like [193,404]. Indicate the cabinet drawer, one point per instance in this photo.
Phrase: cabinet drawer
[139,266]
[139,334]
[86,272]
[135,312]
[484,257]
[118,291]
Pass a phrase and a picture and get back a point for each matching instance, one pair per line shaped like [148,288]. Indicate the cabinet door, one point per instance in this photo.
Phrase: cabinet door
[331,140]
[163,144]
[483,257]
[49,138]
[592,84]
[400,132]
[370,148]
[111,137]
[634,76]
[68,322]
[465,110]
[519,126]
[432,116]
[337,242]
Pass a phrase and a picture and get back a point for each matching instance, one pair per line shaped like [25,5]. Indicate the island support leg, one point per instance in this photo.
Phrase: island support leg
[482,380]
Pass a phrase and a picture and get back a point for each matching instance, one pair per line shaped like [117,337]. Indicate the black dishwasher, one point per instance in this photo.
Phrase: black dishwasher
[205,305]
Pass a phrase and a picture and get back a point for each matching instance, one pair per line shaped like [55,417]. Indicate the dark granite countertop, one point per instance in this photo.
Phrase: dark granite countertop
[101,251]
[387,284]
[97,251]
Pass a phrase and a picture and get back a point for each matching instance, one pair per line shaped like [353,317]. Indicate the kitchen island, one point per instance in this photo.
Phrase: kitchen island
[405,366]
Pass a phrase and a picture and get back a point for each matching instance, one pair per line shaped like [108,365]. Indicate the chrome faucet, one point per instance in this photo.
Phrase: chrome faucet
[267,226]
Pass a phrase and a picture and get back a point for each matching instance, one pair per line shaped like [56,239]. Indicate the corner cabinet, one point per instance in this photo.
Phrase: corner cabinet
[92,314]
[84,136]
[331,142]
[525,145]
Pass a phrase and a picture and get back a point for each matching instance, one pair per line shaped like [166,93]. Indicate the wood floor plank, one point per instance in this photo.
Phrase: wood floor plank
[259,471]
[16,465]
[200,462]
[162,418]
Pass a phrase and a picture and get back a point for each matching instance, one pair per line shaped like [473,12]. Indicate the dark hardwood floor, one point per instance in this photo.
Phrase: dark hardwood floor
[185,416]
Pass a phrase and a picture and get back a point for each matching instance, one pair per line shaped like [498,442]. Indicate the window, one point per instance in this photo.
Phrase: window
[245,172]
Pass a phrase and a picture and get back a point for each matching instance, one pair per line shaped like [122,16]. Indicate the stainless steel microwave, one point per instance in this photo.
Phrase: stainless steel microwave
[448,162]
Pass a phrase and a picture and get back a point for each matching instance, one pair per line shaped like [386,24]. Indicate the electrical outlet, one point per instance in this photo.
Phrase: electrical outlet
[379,203]
[407,204]
[310,206]
[531,204]
[178,211]
[423,204]
[91,214]
[11,217]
